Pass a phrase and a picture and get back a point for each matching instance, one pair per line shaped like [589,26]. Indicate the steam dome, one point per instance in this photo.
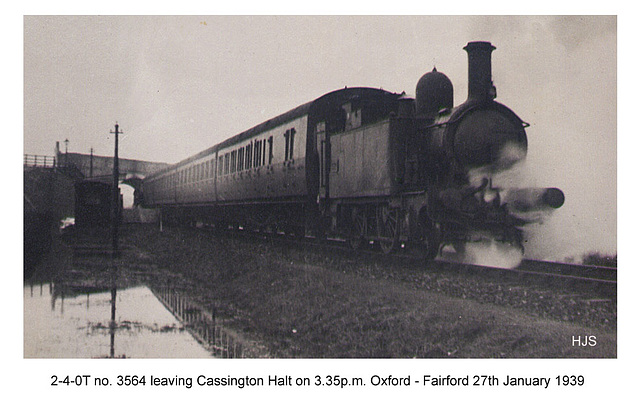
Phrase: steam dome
[433,93]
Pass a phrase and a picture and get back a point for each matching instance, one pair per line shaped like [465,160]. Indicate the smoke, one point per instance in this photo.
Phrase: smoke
[585,223]
[504,169]
[492,253]
[512,171]
[485,252]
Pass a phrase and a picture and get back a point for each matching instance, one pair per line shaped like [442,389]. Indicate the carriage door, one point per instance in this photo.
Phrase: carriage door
[324,151]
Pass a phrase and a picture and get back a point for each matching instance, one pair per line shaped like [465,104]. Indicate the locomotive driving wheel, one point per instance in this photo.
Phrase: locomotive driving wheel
[358,229]
[430,239]
[388,223]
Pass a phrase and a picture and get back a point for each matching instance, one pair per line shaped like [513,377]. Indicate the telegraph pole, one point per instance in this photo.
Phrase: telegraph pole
[114,226]
[116,194]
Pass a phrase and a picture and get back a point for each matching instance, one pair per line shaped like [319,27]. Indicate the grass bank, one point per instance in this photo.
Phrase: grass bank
[299,309]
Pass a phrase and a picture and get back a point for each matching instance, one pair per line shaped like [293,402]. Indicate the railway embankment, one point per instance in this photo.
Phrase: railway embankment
[298,302]
[307,303]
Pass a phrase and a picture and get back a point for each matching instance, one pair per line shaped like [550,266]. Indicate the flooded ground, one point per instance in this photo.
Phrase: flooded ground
[62,321]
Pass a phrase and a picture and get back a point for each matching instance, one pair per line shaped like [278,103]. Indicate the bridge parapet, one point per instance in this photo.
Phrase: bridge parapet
[100,167]
[39,161]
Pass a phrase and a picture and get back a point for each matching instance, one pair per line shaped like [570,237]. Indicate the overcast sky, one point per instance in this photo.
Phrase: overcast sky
[177,85]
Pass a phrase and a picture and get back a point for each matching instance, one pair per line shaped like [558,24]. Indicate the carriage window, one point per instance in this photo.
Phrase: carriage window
[256,154]
[226,163]
[288,146]
[233,161]
[261,160]
[270,149]
[240,158]
[291,138]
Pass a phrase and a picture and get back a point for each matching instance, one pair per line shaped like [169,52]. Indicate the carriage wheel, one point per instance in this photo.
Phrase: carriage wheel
[388,221]
[358,229]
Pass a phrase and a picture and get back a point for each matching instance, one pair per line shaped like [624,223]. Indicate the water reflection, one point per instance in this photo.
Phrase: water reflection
[81,321]
[112,323]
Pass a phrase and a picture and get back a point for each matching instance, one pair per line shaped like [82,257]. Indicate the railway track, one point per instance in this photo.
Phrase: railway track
[603,273]
[598,281]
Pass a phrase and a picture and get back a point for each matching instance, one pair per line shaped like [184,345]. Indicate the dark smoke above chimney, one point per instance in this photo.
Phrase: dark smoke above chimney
[480,84]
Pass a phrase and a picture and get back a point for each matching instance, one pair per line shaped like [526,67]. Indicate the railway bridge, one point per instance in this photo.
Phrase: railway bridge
[100,168]
[75,166]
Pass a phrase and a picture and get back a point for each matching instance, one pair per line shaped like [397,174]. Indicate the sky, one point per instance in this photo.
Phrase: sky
[177,85]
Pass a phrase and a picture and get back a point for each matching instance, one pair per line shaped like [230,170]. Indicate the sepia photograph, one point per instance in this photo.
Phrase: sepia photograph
[321,187]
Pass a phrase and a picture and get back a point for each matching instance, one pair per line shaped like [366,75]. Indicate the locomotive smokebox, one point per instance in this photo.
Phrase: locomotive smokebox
[533,199]
[481,86]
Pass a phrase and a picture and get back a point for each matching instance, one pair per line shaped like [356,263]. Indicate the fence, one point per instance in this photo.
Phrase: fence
[201,324]
[39,161]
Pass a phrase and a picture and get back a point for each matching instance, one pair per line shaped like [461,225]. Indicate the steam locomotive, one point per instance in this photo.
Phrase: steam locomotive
[368,166]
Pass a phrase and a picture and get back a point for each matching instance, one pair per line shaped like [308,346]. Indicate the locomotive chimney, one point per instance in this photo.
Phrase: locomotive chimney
[480,85]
